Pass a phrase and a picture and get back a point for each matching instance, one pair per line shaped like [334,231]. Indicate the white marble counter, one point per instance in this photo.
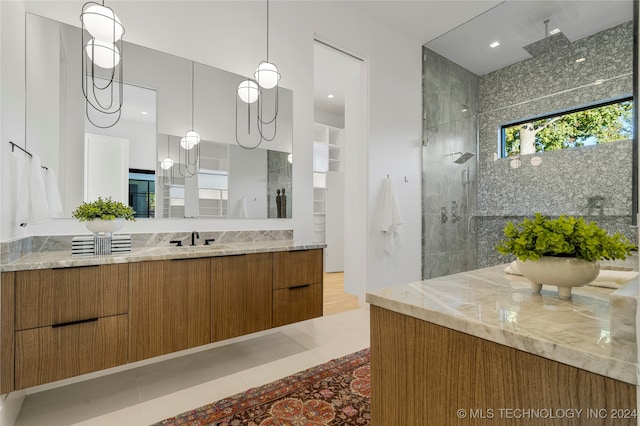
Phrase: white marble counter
[489,304]
[63,259]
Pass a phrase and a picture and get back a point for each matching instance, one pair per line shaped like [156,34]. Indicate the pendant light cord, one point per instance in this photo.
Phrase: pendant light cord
[192,94]
[267,30]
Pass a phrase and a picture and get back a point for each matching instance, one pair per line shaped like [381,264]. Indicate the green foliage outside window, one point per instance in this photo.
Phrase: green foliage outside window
[600,124]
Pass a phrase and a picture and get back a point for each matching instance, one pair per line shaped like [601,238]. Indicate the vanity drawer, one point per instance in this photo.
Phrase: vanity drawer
[297,303]
[47,354]
[294,268]
[54,296]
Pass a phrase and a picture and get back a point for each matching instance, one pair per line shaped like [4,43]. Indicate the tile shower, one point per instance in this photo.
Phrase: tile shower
[463,113]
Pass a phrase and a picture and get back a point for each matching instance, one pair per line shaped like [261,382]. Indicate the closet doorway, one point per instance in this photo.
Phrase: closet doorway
[337,128]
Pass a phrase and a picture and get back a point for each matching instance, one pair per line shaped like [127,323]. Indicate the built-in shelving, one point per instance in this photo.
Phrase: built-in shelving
[327,157]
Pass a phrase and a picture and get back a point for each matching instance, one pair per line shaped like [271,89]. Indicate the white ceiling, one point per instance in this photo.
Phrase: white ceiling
[462,30]
[420,21]
[518,23]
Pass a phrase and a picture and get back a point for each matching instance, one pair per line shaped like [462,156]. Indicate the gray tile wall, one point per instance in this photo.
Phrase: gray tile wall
[448,90]
[279,177]
[508,189]
[564,181]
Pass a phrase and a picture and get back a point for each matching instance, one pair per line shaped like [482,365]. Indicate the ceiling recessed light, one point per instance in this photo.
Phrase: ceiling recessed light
[580,60]
[555,31]
[144,113]
[330,96]
[494,44]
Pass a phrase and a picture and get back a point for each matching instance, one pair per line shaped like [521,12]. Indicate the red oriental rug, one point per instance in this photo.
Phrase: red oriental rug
[335,393]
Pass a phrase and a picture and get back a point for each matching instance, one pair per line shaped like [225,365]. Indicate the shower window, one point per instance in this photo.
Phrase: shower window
[589,125]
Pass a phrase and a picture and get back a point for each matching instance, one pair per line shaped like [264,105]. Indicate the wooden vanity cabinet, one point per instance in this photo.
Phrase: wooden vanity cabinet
[7,332]
[240,295]
[297,286]
[68,322]
[56,296]
[47,354]
[60,323]
[170,306]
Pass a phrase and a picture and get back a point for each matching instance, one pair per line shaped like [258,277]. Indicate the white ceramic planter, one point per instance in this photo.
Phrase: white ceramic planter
[563,272]
[100,226]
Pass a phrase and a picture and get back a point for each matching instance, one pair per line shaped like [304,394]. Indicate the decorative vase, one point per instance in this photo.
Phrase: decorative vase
[563,272]
[107,227]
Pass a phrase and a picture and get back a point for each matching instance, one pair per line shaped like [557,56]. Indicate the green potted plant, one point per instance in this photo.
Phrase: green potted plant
[565,251]
[103,215]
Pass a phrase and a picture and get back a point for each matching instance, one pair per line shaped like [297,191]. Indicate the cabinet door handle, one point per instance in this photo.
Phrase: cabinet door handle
[64,324]
[76,267]
[299,286]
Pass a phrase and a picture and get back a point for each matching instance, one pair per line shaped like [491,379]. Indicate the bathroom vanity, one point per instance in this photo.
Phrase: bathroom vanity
[64,316]
[481,348]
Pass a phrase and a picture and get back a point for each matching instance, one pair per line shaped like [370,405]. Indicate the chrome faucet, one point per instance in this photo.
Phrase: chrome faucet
[194,235]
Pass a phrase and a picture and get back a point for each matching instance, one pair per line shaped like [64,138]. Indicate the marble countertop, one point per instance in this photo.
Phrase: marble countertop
[585,332]
[64,259]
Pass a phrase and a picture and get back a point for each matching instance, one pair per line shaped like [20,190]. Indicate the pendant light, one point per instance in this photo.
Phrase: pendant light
[190,142]
[102,47]
[267,74]
[166,166]
[253,91]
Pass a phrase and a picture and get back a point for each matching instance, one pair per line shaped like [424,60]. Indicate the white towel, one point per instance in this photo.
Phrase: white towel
[21,173]
[241,209]
[53,194]
[389,218]
[31,197]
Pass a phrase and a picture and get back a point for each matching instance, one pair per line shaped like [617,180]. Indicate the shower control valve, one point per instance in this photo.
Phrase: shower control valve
[454,212]
[443,215]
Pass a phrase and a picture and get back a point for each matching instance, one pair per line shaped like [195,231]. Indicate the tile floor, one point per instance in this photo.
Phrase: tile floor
[153,392]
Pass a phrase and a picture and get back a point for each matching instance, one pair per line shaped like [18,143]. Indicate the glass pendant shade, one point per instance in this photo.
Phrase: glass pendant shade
[267,75]
[104,55]
[248,91]
[190,139]
[167,163]
[102,23]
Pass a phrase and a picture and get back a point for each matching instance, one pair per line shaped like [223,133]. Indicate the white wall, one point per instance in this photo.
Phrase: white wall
[394,85]
[11,129]
[142,138]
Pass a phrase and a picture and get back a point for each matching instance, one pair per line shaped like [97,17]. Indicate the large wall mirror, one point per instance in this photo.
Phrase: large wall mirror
[163,96]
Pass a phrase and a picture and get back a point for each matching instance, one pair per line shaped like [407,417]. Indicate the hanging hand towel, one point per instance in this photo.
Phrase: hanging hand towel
[21,175]
[389,219]
[241,209]
[39,208]
[53,194]
[31,198]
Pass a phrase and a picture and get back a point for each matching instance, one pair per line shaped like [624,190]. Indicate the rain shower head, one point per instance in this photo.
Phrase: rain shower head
[464,157]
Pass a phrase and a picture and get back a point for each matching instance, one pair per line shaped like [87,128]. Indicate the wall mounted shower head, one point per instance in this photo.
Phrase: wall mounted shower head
[464,157]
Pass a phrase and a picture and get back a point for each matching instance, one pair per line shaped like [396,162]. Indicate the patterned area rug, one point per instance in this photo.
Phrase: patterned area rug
[335,393]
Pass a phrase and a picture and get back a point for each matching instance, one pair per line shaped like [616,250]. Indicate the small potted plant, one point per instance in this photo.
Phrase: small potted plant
[564,252]
[103,215]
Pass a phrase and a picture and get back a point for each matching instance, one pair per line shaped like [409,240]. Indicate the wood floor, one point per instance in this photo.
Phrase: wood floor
[335,299]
